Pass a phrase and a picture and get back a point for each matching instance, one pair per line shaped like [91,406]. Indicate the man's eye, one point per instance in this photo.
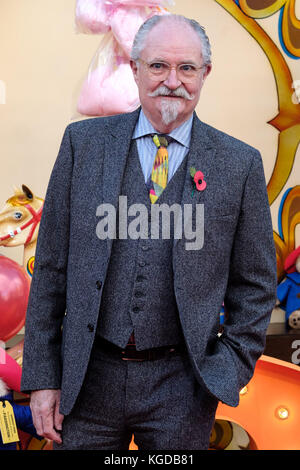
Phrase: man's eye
[157,66]
[187,68]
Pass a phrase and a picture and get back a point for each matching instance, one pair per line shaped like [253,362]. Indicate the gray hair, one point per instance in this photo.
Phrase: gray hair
[141,35]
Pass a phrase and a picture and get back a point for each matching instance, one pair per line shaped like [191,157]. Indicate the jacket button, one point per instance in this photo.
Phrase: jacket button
[98,285]
[90,327]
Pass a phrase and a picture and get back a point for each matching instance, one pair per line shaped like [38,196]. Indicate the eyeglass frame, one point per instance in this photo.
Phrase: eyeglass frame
[170,67]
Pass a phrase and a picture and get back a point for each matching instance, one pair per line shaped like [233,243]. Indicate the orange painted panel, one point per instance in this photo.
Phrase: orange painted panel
[275,384]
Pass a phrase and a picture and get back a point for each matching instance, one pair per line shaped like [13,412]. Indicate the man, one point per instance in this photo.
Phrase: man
[140,350]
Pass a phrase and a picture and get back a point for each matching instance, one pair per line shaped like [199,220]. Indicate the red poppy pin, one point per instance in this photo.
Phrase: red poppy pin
[198,180]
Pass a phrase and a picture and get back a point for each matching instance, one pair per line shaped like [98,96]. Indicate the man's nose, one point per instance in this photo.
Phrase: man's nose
[172,80]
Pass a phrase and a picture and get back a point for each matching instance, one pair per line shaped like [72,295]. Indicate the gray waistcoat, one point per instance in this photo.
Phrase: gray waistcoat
[138,294]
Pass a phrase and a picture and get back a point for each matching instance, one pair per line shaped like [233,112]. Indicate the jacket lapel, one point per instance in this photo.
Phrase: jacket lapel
[117,145]
[201,157]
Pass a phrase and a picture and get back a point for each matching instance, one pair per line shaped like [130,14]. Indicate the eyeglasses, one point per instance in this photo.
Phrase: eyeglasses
[159,71]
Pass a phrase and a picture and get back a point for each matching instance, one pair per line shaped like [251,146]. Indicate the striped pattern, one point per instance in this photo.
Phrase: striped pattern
[177,149]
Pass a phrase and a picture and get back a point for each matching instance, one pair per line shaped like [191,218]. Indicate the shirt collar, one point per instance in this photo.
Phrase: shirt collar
[181,134]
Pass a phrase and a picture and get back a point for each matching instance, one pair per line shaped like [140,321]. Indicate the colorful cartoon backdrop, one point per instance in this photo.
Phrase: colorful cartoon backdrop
[253,93]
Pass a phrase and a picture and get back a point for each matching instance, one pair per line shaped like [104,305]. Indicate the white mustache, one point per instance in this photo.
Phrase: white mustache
[165,91]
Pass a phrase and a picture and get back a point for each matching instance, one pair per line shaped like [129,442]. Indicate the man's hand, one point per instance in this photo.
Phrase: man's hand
[47,420]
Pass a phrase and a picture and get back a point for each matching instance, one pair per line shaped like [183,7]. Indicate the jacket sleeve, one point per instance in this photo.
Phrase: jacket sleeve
[47,298]
[250,294]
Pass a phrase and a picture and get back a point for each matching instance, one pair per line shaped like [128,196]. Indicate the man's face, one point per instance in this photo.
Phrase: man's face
[174,43]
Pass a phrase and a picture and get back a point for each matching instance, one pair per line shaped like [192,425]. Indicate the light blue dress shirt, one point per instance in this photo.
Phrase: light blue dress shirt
[147,149]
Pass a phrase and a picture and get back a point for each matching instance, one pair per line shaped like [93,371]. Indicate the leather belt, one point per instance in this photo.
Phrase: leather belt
[130,353]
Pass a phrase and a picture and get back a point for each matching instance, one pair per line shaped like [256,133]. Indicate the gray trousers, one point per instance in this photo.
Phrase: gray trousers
[159,401]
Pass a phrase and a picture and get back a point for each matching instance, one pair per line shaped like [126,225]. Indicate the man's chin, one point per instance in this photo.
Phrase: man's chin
[170,110]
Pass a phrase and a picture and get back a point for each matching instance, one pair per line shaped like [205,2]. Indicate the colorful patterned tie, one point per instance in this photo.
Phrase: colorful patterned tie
[159,175]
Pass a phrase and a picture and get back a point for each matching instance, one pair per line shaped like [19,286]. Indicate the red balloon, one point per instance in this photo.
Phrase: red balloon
[14,293]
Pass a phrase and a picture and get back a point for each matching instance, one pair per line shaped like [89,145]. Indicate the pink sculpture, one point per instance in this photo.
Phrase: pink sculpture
[96,16]
[110,87]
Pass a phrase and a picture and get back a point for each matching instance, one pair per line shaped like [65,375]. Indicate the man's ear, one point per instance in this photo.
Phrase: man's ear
[134,69]
[207,71]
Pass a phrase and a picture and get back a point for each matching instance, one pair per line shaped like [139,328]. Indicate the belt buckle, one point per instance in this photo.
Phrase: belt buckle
[127,358]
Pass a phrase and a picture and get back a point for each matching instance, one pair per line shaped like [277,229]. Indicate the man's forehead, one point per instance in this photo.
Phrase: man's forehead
[172,36]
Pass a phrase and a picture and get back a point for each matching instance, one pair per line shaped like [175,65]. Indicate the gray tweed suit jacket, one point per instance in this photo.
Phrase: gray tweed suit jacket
[237,263]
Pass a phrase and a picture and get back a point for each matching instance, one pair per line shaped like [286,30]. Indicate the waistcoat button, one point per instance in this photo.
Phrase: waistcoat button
[139,294]
[98,285]
[90,327]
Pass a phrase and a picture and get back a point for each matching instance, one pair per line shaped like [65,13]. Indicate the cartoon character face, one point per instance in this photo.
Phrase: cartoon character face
[294,319]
